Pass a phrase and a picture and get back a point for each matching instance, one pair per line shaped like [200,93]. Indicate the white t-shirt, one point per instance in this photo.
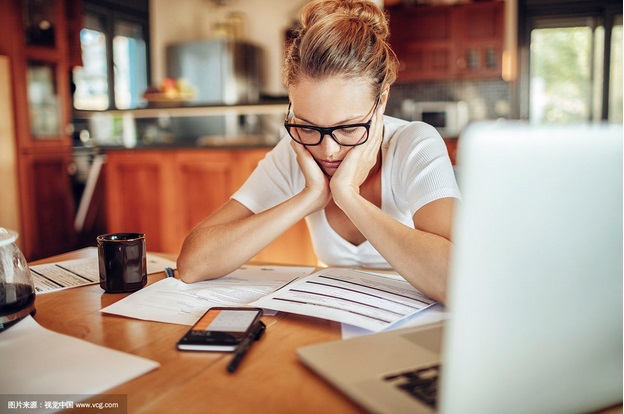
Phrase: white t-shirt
[416,170]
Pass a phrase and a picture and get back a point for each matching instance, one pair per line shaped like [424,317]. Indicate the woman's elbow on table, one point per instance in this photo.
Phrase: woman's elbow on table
[192,268]
[185,271]
[191,272]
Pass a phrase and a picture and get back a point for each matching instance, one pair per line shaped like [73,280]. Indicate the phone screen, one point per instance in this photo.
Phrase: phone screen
[226,320]
[220,329]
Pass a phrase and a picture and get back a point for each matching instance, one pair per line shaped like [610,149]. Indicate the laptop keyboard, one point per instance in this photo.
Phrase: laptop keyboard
[421,383]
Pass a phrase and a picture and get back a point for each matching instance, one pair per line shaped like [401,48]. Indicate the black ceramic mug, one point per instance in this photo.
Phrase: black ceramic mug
[122,261]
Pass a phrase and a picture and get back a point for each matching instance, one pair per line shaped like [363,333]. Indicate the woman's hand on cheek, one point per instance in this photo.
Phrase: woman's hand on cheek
[357,164]
[317,183]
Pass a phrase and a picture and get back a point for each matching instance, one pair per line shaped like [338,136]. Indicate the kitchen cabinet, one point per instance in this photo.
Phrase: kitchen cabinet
[463,41]
[422,38]
[480,29]
[9,171]
[35,41]
[165,193]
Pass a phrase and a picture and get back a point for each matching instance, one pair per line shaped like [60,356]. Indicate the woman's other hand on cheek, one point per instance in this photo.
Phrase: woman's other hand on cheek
[317,183]
[357,165]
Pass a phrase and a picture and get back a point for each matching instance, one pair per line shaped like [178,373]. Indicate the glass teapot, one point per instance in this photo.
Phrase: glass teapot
[17,290]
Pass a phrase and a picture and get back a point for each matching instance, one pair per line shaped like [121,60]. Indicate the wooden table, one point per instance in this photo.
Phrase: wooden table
[269,380]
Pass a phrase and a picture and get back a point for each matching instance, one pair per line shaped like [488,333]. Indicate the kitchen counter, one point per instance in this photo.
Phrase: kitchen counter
[234,143]
[190,126]
[218,143]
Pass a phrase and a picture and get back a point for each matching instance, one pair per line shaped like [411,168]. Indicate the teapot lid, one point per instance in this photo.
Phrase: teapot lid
[7,236]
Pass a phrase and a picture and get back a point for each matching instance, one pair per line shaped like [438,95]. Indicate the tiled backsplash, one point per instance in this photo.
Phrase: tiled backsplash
[486,99]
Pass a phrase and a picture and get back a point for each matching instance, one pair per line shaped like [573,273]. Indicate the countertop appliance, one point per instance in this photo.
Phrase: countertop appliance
[223,71]
[449,118]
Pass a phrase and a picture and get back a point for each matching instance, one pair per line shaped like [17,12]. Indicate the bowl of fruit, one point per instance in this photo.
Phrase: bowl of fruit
[170,93]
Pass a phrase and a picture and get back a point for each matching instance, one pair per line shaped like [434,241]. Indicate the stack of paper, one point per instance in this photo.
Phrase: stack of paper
[173,301]
[366,300]
[35,360]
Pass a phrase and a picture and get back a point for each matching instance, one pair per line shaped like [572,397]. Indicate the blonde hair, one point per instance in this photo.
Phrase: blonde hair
[346,38]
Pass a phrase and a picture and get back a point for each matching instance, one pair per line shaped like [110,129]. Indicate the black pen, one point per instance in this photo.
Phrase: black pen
[255,334]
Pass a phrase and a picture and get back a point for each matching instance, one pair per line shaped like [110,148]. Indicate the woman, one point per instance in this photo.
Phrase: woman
[375,191]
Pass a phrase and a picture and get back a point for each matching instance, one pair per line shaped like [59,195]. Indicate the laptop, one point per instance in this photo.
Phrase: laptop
[535,291]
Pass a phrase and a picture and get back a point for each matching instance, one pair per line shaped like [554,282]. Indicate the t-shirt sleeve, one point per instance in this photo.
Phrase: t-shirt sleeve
[423,171]
[276,179]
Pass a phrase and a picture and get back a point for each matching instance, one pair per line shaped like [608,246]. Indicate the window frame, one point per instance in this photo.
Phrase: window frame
[109,14]
[536,13]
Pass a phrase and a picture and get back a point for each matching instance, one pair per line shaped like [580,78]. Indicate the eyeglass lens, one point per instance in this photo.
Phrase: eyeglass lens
[346,136]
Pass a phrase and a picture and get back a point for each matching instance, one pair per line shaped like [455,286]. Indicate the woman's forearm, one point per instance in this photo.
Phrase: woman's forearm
[422,258]
[218,246]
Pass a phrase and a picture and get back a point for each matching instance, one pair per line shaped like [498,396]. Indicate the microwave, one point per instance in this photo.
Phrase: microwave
[449,118]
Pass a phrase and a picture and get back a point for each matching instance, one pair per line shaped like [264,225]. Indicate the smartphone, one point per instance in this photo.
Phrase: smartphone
[220,329]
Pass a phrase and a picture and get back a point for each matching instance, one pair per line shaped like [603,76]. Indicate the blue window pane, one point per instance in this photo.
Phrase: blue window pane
[91,79]
[130,63]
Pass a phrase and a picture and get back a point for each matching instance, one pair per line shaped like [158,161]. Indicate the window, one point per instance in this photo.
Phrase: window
[129,57]
[565,72]
[574,64]
[115,69]
[615,73]
[91,79]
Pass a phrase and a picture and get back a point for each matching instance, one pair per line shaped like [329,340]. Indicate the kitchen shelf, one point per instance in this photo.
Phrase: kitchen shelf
[278,108]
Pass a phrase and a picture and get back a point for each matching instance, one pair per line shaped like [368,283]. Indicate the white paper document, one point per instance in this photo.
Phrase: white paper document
[79,272]
[35,360]
[365,300]
[173,301]
[434,313]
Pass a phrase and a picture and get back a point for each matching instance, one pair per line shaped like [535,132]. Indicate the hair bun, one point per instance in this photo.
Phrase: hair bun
[347,38]
[362,12]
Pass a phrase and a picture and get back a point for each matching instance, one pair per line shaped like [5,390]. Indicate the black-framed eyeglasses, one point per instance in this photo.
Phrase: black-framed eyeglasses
[349,135]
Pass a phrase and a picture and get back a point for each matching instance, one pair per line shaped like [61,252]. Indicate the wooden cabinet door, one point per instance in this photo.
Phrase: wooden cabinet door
[165,193]
[448,42]
[480,32]
[247,161]
[203,182]
[40,66]
[422,39]
[47,206]
[135,194]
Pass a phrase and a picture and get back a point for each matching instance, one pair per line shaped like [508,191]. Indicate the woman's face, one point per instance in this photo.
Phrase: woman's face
[332,102]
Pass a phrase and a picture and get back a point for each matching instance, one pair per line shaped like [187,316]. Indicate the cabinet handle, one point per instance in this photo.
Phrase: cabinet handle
[72,168]
[69,129]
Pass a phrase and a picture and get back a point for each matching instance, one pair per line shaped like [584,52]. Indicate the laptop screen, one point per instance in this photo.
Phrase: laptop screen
[536,283]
